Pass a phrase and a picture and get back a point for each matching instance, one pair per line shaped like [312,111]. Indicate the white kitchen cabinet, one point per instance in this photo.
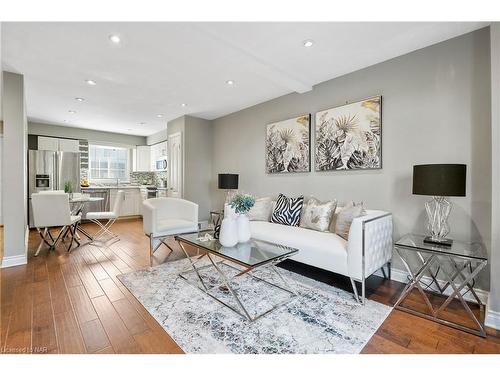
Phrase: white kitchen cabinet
[143,159]
[48,144]
[154,156]
[131,204]
[69,145]
[158,151]
[58,144]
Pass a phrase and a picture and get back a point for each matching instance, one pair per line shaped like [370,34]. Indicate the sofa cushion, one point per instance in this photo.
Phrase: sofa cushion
[345,217]
[261,210]
[317,215]
[287,210]
[319,249]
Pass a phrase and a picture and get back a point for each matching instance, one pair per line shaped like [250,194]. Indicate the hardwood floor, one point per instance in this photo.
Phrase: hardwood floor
[73,303]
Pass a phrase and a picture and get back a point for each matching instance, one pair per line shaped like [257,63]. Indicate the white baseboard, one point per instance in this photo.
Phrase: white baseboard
[492,318]
[16,260]
[402,276]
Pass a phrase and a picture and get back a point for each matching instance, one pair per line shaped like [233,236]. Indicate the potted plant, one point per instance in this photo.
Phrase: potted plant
[242,203]
[68,188]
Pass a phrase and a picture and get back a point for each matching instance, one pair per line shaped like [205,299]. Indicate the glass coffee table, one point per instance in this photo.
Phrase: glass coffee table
[226,264]
[439,275]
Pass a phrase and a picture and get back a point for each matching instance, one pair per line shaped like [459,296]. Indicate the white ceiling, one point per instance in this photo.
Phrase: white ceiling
[159,66]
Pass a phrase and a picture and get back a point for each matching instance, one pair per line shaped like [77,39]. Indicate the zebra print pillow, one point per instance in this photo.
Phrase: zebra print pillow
[287,210]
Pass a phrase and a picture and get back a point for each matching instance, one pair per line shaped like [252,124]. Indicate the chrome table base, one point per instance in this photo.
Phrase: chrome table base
[459,276]
[217,265]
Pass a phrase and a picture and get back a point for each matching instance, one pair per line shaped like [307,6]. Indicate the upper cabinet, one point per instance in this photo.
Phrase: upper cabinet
[142,159]
[70,145]
[48,144]
[58,144]
[158,151]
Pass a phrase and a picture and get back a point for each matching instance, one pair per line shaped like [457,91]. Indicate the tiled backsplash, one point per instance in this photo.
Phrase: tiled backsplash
[148,178]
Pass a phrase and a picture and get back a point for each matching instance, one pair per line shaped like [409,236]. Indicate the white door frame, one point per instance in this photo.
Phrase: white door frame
[179,167]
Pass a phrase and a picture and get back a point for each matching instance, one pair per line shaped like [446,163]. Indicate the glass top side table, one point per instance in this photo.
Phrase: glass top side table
[445,271]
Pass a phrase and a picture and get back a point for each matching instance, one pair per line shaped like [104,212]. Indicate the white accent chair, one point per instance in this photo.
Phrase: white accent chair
[52,210]
[110,216]
[163,217]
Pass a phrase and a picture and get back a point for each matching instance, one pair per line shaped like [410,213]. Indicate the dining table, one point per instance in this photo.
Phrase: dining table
[78,202]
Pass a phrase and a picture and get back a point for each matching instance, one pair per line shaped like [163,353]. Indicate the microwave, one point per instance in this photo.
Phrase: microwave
[161,164]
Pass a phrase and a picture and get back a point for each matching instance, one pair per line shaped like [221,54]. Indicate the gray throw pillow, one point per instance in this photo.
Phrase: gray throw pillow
[261,210]
[345,217]
[317,215]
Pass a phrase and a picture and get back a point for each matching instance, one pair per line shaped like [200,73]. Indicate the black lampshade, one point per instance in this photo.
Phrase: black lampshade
[440,180]
[228,181]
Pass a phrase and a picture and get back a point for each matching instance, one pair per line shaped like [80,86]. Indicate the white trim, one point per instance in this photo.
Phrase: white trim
[16,260]
[402,276]
[492,318]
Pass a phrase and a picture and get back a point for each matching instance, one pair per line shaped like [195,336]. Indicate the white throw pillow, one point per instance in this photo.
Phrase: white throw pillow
[261,210]
[344,218]
[317,215]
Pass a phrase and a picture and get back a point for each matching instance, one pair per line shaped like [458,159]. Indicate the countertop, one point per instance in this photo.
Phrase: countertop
[111,187]
[94,187]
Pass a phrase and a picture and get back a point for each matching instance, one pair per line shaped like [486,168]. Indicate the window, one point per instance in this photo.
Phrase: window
[108,162]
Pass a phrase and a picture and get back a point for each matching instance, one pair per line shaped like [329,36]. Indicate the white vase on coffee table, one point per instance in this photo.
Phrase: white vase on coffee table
[243,228]
[228,236]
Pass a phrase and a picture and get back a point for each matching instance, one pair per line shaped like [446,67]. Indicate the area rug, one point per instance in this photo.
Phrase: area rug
[321,319]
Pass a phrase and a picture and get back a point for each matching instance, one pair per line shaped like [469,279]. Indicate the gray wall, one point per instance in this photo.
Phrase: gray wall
[494,300]
[198,177]
[14,175]
[50,130]
[436,107]
[197,137]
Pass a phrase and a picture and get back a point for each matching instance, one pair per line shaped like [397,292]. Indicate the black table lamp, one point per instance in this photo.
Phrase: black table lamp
[439,181]
[228,182]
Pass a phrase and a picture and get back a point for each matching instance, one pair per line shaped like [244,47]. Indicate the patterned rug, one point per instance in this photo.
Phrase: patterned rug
[321,319]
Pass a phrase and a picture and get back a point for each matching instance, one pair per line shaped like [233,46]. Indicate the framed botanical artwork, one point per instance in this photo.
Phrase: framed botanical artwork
[288,145]
[349,136]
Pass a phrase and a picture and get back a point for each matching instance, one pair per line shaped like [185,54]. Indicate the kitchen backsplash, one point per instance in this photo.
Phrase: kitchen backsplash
[148,178]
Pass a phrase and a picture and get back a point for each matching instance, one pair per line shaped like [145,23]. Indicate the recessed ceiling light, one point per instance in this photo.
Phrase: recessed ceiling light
[115,39]
[91,82]
[308,43]
[183,104]
[230,82]
[79,99]
[159,115]
[71,111]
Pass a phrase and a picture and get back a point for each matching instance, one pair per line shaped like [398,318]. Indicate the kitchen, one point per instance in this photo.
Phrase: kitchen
[106,163]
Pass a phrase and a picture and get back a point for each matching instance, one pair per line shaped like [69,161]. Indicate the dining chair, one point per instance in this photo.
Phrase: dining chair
[52,211]
[110,216]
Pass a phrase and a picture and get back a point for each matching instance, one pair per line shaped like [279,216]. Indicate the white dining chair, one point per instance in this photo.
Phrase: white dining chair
[163,217]
[52,211]
[110,216]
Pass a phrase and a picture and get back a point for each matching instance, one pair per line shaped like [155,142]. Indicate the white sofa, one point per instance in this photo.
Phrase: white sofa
[369,246]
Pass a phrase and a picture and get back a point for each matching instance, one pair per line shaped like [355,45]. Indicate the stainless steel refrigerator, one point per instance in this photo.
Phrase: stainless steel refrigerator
[50,170]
